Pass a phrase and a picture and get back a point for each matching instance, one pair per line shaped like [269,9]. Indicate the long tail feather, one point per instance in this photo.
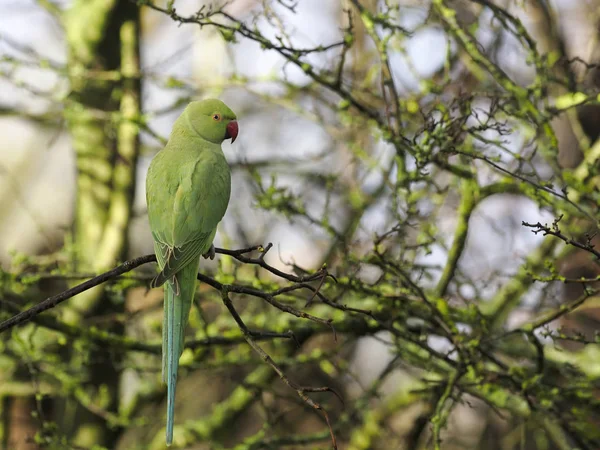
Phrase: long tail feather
[179,294]
[170,358]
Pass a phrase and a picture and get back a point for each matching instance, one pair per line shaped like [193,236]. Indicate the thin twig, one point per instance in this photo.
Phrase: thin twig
[55,300]
[300,390]
[555,231]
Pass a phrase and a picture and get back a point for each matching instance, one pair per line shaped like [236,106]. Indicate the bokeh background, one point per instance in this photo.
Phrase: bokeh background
[322,181]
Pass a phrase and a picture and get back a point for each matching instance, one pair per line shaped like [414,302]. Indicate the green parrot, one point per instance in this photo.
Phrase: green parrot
[187,192]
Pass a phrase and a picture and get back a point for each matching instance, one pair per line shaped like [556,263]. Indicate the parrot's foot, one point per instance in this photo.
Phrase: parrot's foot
[175,282]
[210,254]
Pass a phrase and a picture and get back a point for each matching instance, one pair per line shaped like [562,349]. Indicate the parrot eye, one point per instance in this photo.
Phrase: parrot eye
[217,117]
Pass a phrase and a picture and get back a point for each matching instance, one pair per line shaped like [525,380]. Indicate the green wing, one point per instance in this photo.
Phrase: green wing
[173,259]
[192,201]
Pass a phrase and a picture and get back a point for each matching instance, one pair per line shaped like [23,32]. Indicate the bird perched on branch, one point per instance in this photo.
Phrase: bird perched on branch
[187,192]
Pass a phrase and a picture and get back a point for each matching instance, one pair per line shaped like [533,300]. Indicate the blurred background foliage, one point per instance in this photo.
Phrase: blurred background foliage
[438,158]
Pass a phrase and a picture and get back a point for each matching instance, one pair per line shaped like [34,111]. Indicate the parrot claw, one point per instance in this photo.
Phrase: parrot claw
[210,254]
[175,286]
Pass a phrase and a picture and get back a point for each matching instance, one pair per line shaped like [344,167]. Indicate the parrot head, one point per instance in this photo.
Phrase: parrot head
[212,120]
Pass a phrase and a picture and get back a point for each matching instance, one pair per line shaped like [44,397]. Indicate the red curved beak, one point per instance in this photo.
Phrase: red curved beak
[232,131]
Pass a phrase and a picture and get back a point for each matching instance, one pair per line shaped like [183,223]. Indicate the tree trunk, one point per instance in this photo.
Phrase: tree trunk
[102,114]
